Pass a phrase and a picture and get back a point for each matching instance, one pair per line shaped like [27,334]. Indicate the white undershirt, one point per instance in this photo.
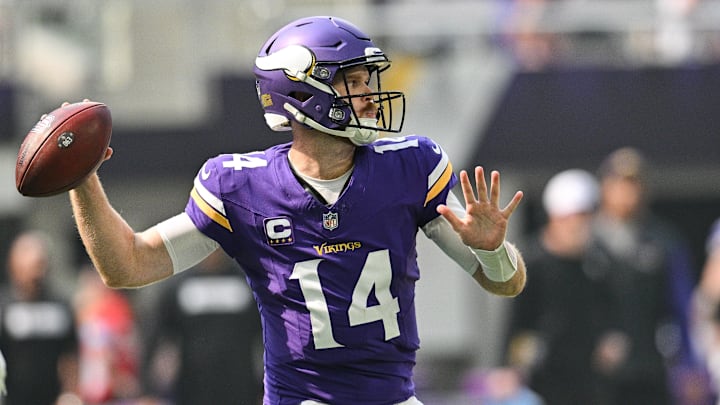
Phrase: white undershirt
[330,190]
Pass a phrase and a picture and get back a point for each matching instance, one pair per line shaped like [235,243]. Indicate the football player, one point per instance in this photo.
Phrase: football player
[325,226]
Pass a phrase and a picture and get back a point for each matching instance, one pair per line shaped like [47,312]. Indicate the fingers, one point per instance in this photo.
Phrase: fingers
[449,215]
[480,183]
[495,188]
[67,103]
[494,195]
[481,186]
[513,204]
[467,188]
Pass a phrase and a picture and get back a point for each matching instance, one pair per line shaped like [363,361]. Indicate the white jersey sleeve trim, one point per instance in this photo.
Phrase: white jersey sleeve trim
[441,232]
[186,245]
[439,169]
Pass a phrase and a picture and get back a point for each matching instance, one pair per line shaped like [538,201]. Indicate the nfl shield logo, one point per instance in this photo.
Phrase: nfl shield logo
[330,221]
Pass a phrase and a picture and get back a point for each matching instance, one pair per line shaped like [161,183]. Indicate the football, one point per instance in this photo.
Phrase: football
[63,149]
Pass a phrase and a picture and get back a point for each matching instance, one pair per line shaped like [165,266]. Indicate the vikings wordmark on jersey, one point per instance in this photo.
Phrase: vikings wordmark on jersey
[334,284]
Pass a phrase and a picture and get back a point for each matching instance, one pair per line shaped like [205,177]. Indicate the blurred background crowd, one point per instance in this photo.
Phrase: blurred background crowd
[605,112]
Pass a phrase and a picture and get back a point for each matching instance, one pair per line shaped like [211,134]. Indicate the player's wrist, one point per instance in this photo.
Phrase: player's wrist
[499,265]
[88,187]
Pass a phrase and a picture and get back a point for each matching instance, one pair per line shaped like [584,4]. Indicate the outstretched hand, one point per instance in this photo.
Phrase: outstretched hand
[485,223]
[108,152]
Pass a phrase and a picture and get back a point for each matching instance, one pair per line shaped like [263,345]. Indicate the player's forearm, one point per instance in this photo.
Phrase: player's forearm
[509,288]
[122,257]
[502,264]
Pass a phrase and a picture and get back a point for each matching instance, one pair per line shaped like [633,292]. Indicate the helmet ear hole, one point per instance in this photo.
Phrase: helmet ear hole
[300,96]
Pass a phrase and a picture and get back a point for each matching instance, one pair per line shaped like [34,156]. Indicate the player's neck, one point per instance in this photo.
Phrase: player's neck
[321,156]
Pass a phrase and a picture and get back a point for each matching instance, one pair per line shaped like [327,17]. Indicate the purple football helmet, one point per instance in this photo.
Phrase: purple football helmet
[294,74]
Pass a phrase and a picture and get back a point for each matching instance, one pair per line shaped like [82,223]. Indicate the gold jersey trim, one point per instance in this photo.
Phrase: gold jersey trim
[208,210]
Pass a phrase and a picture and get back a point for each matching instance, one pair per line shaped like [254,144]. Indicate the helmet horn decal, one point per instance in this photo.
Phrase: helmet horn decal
[295,60]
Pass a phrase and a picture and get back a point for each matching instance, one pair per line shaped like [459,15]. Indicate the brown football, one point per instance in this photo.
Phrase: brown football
[63,148]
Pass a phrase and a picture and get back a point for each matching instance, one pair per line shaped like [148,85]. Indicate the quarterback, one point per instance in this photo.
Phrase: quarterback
[324,226]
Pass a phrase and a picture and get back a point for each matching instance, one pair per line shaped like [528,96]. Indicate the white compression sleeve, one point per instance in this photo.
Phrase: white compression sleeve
[186,245]
[499,265]
[441,232]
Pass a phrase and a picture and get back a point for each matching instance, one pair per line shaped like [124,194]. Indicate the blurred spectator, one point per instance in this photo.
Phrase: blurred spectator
[208,340]
[499,386]
[648,268]
[109,370]
[674,37]
[705,310]
[532,48]
[559,317]
[37,330]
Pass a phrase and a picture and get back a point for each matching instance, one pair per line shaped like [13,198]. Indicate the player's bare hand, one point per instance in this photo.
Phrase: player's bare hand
[65,104]
[108,154]
[92,177]
[109,151]
[485,223]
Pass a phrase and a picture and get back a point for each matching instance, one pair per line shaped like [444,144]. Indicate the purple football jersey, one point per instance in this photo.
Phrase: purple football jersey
[335,285]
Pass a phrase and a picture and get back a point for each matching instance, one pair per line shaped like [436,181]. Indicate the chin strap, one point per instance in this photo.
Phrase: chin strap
[358,136]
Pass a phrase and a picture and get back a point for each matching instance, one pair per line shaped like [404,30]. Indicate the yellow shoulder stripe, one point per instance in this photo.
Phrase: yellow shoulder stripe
[440,184]
[209,210]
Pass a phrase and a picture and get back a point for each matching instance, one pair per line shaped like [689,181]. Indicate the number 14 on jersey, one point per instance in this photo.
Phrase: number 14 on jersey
[376,275]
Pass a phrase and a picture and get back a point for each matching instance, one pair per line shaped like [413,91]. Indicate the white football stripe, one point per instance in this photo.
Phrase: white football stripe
[438,170]
[209,197]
